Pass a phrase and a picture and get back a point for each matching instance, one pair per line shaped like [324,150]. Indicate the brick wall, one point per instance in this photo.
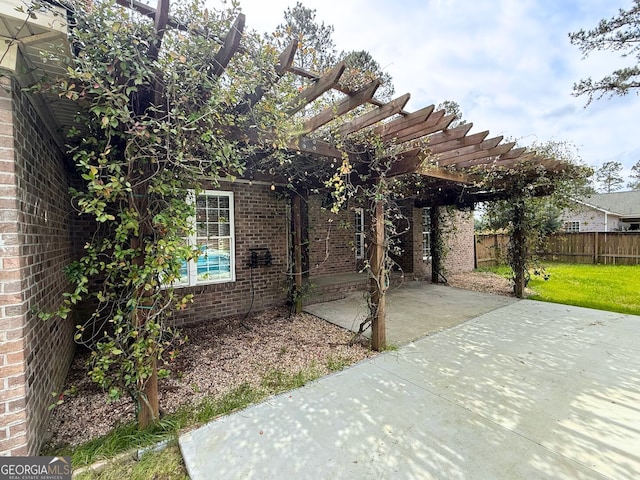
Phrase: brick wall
[421,267]
[459,237]
[261,221]
[460,240]
[331,239]
[35,231]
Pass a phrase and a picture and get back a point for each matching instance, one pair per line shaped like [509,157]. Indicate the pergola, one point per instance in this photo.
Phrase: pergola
[452,161]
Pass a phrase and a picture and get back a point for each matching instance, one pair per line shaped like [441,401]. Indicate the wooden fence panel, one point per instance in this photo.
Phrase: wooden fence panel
[491,250]
[613,248]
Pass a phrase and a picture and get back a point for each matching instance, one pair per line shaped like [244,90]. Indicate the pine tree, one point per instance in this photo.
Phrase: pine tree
[609,177]
[619,34]
[634,178]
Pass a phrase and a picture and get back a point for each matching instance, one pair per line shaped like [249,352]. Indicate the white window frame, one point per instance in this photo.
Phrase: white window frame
[572,226]
[426,233]
[192,265]
[358,222]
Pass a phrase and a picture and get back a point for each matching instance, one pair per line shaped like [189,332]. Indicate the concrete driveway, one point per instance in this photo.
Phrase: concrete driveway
[528,390]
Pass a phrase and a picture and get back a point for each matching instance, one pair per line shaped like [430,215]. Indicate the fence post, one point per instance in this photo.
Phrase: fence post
[595,249]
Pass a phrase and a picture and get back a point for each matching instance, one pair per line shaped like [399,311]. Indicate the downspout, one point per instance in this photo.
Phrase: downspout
[606,229]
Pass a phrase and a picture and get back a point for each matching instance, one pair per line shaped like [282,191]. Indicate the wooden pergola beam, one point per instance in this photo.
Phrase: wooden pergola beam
[230,46]
[331,113]
[315,147]
[443,174]
[285,60]
[150,12]
[513,154]
[500,162]
[394,126]
[374,116]
[405,162]
[435,123]
[412,161]
[312,76]
[324,84]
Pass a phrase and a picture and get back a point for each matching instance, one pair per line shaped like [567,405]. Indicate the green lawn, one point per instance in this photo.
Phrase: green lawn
[615,288]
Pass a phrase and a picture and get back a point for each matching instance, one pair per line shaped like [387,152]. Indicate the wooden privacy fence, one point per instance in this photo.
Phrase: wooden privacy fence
[491,249]
[612,248]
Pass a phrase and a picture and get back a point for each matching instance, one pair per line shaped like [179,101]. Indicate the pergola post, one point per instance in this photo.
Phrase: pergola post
[377,282]
[519,248]
[297,250]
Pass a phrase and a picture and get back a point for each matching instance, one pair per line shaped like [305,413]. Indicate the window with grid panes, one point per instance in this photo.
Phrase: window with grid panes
[426,233]
[214,236]
[359,228]
[572,227]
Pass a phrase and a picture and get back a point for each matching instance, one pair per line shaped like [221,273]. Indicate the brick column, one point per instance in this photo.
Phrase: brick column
[13,416]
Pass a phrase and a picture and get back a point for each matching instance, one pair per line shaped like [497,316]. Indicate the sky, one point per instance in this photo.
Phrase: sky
[508,64]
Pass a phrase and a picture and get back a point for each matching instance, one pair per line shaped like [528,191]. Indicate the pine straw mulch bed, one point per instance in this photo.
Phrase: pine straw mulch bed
[486,282]
[221,355]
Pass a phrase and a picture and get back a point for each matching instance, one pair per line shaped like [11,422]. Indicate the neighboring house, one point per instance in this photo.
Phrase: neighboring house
[604,212]
[247,260]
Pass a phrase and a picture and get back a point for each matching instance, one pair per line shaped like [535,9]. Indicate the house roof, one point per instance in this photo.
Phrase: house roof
[625,204]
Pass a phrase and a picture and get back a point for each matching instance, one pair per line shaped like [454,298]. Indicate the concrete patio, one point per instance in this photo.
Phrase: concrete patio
[522,390]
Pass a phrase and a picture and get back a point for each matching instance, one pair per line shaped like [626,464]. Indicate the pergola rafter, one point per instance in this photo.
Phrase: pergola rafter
[323,85]
[331,113]
[435,123]
[484,156]
[452,148]
[405,121]
[230,46]
[285,60]
[374,116]
[465,141]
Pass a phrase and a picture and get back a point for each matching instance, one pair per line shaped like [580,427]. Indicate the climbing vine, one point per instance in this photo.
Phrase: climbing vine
[532,199]
[156,122]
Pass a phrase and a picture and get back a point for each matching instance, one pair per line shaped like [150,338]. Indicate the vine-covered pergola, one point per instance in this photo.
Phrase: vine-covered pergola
[453,163]
[455,167]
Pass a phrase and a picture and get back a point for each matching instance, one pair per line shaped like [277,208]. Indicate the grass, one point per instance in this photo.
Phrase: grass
[604,287]
[164,465]
[168,463]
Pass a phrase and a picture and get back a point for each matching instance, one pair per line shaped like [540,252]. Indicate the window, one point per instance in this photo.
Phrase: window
[426,233]
[214,236]
[359,228]
[572,227]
